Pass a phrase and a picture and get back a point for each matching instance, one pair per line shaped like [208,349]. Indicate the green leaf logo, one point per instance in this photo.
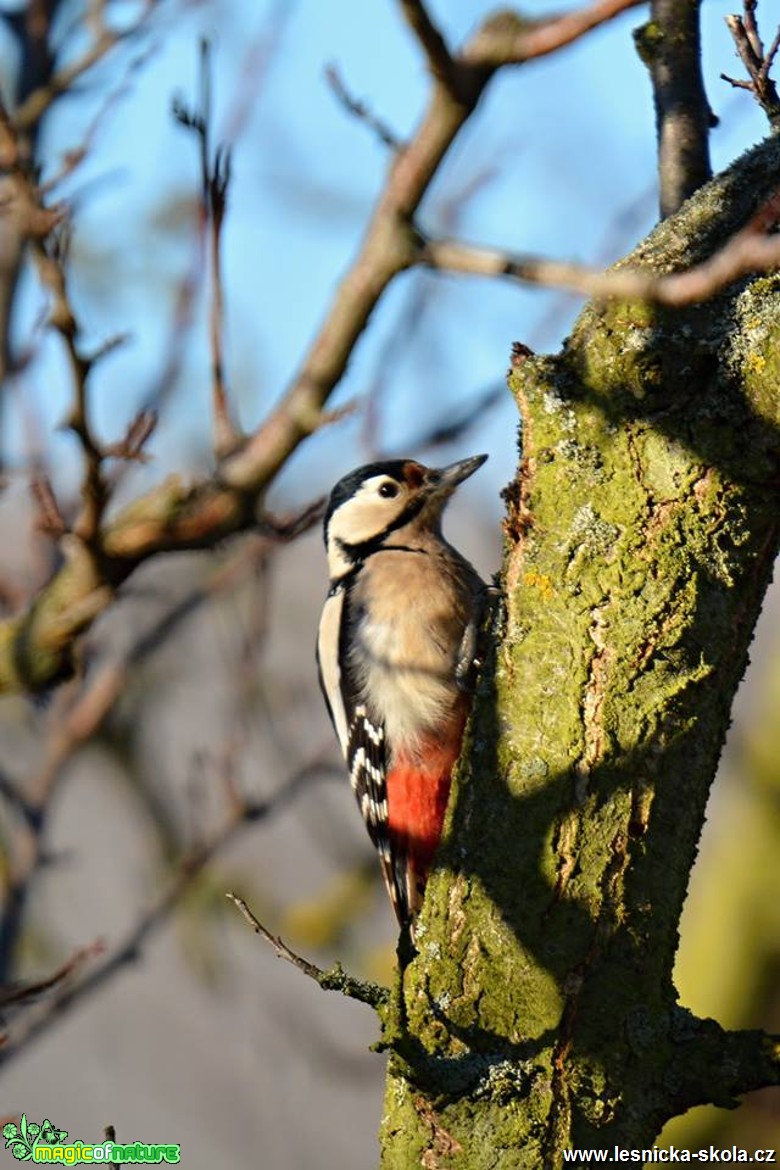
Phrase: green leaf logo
[22,1139]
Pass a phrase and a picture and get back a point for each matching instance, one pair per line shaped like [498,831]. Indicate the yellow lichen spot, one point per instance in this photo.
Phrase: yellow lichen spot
[539,581]
[756,362]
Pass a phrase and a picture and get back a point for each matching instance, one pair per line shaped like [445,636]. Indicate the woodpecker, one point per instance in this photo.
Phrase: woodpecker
[396,656]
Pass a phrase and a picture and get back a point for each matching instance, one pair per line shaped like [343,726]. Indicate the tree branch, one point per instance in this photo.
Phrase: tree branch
[215,181]
[440,61]
[334,979]
[718,1067]
[242,815]
[508,39]
[35,105]
[37,647]
[360,110]
[757,62]
[670,47]
[80,718]
[51,259]
[389,246]
[747,253]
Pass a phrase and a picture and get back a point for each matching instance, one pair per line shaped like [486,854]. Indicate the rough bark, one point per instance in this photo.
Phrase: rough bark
[540,1013]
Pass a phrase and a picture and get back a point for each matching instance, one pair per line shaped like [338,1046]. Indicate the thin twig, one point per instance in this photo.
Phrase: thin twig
[29,113]
[458,424]
[51,258]
[334,979]
[389,247]
[178,516]
[757,62]
[507,39]
[73,159]
[215,182]
[50,520]
[440,61]
[21,993]
[749,251]
[76,721]
[139,431]
[361,111]
[191,865]
[291,527]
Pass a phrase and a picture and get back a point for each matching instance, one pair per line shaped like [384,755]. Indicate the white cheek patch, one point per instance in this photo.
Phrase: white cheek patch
[363,517]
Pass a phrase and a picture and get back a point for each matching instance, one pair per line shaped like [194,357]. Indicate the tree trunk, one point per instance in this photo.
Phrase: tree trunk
[540,1013]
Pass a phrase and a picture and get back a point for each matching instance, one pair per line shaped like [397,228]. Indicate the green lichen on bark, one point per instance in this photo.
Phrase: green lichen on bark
[540,1012]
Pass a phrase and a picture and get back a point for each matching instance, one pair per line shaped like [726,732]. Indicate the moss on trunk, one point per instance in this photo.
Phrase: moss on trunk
[540,1013]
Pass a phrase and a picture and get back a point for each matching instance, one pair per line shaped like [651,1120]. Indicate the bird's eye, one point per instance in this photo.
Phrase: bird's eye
[388,490]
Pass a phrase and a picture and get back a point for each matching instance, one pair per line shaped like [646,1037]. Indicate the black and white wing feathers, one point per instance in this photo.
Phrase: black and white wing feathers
[361,735]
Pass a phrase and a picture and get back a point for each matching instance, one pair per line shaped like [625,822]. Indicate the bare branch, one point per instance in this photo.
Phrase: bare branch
[73,159]
[131,447]
[294,526]
[361,111]
[334,979]
[215,181]
[749,251]
[507,39]
[750,48]
[50,520]
[177,516]
[457,425]
[440,61]
[75,722]
[20,993]
[670,47]
[191,865]
[51,256]
[29,113]
[389,247]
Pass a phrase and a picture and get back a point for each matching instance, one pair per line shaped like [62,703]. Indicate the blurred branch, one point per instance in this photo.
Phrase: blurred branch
[139,431]
[441,63]
[37,86]
[50,520]
[37,646]
[19,994]
[30,27]
[670,46]
[508,39]
[750,250]
[51,258]
[757,62]
[361,111]
[32,109]
[78,719]
[334,979]
[293,526]
[23,219]
[458,423]
[190,866]
[73,159]
[390,246]
[215,181]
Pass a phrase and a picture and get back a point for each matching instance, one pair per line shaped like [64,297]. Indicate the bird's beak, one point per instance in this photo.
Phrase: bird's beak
[446,479]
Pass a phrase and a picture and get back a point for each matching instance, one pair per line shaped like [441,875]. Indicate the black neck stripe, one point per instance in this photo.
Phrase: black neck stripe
[359,552]
[346,579]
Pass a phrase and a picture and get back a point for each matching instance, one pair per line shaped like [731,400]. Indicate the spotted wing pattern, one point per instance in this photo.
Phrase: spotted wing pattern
[362,739]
